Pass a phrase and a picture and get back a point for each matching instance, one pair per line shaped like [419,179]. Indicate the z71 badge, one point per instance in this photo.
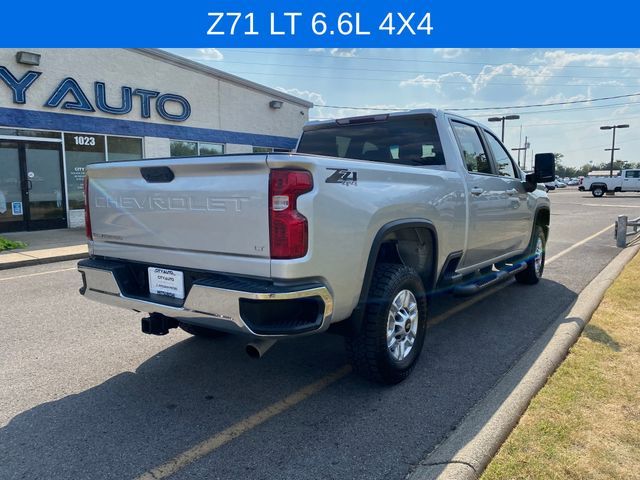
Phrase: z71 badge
[343,176]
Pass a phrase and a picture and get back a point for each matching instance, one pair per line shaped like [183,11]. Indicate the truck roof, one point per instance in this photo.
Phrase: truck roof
[422,111]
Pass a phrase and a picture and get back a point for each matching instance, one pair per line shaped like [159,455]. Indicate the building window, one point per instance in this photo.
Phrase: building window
[181,148]
[15,132]
[206,149]
[184,149]
[80,151]
[123,148]
[271,150]
[262,149]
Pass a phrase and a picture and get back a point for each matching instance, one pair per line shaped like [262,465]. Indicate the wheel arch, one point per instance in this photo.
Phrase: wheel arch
[542,218]
[392,244]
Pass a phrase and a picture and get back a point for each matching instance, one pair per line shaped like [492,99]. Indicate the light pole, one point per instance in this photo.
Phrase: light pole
[613,142]
[502,119]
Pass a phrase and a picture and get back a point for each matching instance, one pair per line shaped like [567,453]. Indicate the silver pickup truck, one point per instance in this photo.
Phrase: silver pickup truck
[354,233]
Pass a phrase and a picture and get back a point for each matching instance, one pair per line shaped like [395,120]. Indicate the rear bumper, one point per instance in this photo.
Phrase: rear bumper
[235,304]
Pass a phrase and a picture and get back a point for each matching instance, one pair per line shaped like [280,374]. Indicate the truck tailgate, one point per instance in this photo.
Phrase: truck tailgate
[205,205]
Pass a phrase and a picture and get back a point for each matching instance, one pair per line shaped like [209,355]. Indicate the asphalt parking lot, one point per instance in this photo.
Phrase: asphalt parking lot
[83,394]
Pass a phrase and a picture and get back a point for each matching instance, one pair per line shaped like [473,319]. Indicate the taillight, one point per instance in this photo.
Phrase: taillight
[288,229]
[87,213]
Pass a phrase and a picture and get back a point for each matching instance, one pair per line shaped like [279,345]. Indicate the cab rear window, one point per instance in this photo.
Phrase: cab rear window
[400,140]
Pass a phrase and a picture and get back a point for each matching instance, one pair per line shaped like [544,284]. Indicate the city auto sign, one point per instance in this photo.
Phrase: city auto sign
[70,96]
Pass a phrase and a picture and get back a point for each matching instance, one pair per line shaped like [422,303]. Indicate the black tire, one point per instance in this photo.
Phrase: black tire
[203,332]
[368,350]
[531,275]
[598,191]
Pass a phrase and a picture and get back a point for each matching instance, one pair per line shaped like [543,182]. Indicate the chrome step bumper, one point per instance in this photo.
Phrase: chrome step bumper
[212,303]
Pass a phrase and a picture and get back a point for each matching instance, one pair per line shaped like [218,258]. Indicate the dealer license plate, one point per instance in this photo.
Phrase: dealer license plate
[166,282]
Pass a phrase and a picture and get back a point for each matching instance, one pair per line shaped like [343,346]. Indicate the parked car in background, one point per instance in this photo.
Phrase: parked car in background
[627,181]
[555,184]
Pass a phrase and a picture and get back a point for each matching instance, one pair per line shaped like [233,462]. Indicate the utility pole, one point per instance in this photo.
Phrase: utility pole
[613,143]
[519,144]
[502,119]
[526,146]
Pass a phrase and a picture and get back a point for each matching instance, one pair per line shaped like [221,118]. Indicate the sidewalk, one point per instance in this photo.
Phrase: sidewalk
[45,246]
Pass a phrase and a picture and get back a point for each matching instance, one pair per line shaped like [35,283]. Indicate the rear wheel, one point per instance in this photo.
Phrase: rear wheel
[201,331]
[535,259]
[389,343]
[597,191]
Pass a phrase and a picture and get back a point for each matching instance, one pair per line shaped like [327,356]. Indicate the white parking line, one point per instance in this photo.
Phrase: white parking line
[573,247]
[481,296]
[36,274]
[232,432]
[204,448]
[637,207]
[208,446]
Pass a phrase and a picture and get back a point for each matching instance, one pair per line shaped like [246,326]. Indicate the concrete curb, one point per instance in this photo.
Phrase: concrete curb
[39,257]
[468,450]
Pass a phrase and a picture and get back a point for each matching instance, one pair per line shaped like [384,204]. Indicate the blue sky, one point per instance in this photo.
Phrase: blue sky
[393,79]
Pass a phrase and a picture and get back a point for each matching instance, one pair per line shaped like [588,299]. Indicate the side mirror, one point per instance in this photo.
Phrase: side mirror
[544,171]
[545,167]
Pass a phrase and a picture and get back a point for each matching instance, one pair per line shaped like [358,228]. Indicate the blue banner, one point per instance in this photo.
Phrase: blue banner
[344,23]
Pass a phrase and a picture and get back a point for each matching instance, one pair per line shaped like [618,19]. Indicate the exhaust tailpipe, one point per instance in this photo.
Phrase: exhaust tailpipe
[259,347]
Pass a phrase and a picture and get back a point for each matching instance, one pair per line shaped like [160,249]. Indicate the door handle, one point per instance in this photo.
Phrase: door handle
[512,192]
[476,191]
[29,185]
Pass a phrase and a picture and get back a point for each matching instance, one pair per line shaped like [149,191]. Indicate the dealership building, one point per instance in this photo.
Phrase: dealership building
[63,109]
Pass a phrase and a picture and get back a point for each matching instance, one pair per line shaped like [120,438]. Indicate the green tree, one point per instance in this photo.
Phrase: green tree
[561,170]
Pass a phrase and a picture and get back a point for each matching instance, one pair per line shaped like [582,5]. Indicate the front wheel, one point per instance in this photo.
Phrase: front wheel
[389,343]
[535,259]
[597,192]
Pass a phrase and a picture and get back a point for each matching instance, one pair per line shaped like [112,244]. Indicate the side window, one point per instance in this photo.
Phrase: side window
[473,153]
[501,156]
[632,174]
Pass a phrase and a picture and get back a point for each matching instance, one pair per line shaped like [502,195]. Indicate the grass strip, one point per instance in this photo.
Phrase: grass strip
[585,422]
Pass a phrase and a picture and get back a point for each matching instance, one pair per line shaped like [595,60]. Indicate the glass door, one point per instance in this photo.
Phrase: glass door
[45,190]
[12,217]
[31,186]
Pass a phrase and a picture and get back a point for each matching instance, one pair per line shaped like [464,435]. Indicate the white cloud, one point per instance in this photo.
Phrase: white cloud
[449,53]
[562,58]
[506,82]
[210,54]
[343,52]
[336,52]
[450,85]
[561,97]
[503,82]
[314,97]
